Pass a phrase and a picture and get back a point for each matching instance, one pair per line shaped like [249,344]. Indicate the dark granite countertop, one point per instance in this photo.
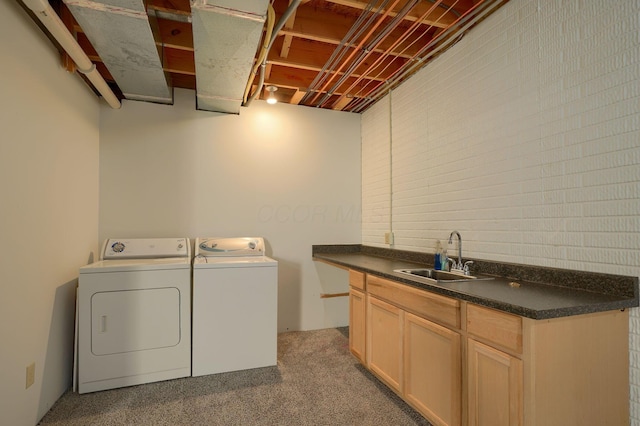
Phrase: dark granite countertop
[543,292]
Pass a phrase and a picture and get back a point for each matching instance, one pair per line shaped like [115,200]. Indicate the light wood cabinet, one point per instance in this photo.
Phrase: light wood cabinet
[576,370]
[432,370]
[562,371]
[439,309]
[494,387]
[357,324]
[460,363]
[426,367]
[499,329]
[384,341]
[357,279]
[357,315]
[494,377]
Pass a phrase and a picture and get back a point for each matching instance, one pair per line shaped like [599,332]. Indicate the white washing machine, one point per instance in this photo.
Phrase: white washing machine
[235,306]
[134,316]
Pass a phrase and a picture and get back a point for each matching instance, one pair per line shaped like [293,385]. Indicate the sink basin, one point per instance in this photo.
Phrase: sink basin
[440,276]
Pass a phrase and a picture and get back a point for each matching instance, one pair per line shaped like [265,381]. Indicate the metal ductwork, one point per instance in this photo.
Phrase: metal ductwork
[226,34]
[121,33]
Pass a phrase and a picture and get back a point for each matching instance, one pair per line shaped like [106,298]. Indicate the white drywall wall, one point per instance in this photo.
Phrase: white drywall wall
[49,214]
[286,173]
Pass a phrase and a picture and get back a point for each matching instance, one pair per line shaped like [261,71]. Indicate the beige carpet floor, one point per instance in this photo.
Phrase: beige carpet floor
[316,382]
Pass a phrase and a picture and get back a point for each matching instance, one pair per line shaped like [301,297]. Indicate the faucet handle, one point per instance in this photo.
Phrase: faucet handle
[466,266]
[456,266]
[451,264]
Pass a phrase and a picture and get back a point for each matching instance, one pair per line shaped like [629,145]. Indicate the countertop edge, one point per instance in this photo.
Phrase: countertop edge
[622,302]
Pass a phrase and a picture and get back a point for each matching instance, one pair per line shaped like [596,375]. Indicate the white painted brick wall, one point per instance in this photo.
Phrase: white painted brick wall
[525,137]
[376,175]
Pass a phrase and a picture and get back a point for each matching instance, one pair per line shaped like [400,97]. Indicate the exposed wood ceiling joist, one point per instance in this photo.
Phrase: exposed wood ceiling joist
[306,42]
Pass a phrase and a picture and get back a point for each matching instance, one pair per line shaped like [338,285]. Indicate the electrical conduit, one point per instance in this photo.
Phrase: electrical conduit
[271,17]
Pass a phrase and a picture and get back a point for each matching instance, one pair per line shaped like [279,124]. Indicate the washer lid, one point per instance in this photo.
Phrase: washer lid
[244,246]
[145,248]
[208,262]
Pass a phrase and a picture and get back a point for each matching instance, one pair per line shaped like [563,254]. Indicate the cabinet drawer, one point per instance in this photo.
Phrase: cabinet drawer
[496,327]
[356,279]
[440,309]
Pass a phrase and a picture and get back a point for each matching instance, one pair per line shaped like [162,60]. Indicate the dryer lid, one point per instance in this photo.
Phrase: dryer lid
[241,246]
[132,265]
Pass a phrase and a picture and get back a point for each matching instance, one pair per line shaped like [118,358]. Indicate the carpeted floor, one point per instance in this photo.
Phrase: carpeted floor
[316,382]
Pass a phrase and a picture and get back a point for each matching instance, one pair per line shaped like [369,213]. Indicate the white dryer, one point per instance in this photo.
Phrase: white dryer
[134,314]
[235,306]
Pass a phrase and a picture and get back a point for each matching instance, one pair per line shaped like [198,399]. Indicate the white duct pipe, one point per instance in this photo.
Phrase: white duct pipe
[58,30]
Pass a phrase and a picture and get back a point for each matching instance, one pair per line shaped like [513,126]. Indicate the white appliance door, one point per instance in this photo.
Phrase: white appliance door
[134,320]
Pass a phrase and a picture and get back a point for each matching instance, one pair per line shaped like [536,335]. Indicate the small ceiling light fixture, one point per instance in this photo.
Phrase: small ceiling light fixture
[271,99]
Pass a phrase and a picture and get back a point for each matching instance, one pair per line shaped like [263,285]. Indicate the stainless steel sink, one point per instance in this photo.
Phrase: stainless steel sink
[440,276]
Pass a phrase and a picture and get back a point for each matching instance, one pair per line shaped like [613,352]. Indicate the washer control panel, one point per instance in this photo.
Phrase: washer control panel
[243,246]
[145,248]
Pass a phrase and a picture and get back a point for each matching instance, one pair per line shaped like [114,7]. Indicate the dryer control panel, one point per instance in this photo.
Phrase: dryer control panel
[145,248]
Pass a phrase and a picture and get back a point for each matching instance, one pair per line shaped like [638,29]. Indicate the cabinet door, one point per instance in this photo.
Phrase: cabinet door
[495,387]
[357,309]
[432,370]
[384,341]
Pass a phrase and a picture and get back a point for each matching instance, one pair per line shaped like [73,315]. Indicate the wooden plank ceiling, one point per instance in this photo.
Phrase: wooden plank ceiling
[387,50]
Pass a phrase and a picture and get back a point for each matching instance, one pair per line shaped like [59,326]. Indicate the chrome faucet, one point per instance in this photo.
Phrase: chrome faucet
[460,266]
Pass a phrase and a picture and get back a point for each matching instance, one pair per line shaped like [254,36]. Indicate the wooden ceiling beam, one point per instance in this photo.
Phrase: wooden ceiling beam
[439,17]
[183,81]
[342,103]
[177,35]
[406,50]
[267,71]
[85,44]
[177,7]
[286,45]
[301,79]
[326,27]
[312,56]
[297,96]
[319,25]
[178,61]
[67,18]
[102,69]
